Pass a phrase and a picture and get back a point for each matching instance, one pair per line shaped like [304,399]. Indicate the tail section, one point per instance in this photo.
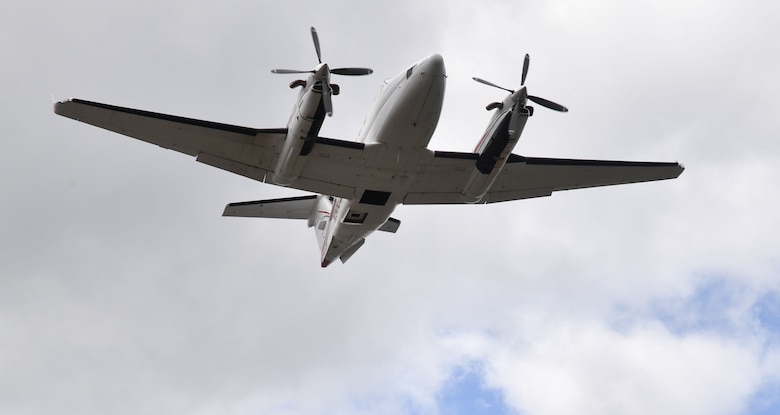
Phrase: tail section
[321,212]
[316,209]
[323,226]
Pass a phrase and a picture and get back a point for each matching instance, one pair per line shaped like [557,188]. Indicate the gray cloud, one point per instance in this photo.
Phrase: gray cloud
[122,290]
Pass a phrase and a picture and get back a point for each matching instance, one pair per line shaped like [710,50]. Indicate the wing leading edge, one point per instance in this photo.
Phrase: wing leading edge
[526,177]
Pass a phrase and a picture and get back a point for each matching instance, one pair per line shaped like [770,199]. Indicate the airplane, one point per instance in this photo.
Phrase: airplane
[354,186]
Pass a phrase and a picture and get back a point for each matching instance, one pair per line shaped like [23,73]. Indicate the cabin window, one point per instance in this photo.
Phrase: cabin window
[409,72]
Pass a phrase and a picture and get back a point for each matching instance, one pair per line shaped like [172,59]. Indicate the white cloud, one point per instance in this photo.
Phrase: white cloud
[589,368]
[122,290]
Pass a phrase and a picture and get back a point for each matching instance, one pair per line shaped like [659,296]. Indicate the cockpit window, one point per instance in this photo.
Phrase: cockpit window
[410,71]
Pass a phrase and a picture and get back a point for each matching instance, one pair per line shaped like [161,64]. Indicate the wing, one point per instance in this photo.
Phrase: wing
[249,152]
[342,168]
[442,180]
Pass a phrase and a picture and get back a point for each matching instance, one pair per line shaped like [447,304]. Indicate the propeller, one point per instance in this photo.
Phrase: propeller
[526,62]
[541,101]
[322,73]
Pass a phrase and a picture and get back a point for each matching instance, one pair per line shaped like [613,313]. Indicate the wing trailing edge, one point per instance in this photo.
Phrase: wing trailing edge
[442,180]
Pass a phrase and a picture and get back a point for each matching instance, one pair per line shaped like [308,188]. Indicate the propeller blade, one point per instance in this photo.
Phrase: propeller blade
[316,43]
[283,71]
[322,74]
[482,81]
[352,71]
[526,62]
[547,103]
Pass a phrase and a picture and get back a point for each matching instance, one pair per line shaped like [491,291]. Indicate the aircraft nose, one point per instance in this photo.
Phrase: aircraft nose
[433,65]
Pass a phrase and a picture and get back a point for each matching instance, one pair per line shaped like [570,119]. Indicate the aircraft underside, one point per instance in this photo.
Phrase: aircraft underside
[354,186]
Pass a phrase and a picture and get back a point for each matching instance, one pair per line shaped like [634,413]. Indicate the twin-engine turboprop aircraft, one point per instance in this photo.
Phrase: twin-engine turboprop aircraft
[358,184]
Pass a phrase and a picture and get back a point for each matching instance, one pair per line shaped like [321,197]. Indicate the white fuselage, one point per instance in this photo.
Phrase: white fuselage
[401,121]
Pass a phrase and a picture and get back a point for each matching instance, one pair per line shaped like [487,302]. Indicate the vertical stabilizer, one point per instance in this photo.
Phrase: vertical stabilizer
[323,225]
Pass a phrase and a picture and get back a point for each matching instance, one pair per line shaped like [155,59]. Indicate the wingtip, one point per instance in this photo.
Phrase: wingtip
[59,106]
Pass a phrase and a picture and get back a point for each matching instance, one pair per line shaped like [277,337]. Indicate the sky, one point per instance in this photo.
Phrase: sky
[124,291]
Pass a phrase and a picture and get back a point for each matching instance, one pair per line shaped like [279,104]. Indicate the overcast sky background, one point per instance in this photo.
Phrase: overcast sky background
[123,290]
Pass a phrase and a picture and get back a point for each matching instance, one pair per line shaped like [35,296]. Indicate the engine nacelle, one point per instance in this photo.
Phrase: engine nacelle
[476,187]
[493,152]
[302,131]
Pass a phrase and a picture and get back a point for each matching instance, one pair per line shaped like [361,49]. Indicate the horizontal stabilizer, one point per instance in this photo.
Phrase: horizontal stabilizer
[287,208]
[391,225]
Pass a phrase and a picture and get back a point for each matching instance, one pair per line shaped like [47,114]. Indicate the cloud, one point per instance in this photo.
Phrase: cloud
[122,290]
[591,369]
